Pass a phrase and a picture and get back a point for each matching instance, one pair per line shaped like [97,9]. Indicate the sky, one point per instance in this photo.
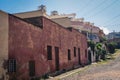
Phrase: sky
[103,13]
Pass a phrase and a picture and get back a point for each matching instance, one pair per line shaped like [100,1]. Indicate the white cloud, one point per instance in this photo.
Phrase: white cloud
[105,30]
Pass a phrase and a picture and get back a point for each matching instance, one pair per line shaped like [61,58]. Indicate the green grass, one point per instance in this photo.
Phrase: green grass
[117,52]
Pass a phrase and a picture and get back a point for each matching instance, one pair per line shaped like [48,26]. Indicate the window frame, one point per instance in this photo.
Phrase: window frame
[12,65]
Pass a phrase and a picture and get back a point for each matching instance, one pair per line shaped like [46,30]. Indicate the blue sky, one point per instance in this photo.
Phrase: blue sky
[104,13]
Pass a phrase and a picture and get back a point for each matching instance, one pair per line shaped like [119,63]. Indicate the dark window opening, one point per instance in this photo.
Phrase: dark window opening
[69,55]
[79,56]
[37,21]
[31,68]
[12,65]
[69,28]
[57,58]
[86,53]
[84,33]
[74,51]
[49,52]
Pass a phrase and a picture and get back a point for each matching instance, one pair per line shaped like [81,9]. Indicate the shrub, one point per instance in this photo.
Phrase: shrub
[111,47]
[103,54]
[118,45]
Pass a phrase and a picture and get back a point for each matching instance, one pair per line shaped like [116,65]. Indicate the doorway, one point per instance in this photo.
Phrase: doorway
[57,58]
[79,58]
[32,68]
[89,57]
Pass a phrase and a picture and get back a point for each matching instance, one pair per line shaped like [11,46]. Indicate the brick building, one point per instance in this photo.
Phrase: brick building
[91,31]
[34,46]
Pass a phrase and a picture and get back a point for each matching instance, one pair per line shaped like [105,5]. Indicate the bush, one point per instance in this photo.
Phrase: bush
[118,45]
[111,47]
[103,54]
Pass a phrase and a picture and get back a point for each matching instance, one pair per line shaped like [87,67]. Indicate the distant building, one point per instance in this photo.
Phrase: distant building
[113,35]
[91,31]
[117,40]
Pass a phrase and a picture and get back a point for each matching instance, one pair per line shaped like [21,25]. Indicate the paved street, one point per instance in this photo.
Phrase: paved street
[109,71]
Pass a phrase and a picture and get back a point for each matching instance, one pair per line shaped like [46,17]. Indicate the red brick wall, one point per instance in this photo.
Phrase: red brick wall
[65,39]
[28,42]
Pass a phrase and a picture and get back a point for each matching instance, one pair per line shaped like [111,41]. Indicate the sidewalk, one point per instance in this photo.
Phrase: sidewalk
[71,73]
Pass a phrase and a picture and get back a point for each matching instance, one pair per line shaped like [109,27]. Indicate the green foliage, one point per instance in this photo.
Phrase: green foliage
[118,45]
[99,46]
[98,49]
[100,52]
[103,39]
[111,47]
[91,44]
[104,52]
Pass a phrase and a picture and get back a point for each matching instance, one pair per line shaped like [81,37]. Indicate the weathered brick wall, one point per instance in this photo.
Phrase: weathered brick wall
[65,40]
[28,42]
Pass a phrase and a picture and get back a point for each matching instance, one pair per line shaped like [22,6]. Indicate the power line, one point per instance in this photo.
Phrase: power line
[112,25]
[103,9]
[93,9]
[86,5]
[115,17]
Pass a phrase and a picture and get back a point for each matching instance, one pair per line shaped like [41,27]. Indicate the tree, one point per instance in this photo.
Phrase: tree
[103,39]
[98,50]
[111,47]
[104,52]
[91,44]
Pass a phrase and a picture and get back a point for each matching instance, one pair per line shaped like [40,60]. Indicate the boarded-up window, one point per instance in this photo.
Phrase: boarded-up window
[69,54]
[11,65]
[49,52]
[31,68]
